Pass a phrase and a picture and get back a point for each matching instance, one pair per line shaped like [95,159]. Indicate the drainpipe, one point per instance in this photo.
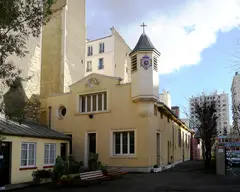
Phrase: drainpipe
[173,156]
[49,117]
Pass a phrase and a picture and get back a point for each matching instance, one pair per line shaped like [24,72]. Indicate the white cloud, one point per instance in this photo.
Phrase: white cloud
[183,36]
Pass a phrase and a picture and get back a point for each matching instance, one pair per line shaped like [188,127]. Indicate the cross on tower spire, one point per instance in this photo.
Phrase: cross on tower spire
[143,26]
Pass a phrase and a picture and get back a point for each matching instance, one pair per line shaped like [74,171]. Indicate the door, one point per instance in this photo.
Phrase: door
[63,150]
[158,149]
[91,143]
[169,149]
[5,172]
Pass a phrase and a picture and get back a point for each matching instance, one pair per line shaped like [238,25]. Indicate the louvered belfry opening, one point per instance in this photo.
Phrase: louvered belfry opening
[134,64]
[155,63]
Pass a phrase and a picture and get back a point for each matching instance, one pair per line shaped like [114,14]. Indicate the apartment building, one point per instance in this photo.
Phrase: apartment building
[222,106]
[235,90]
[108,56]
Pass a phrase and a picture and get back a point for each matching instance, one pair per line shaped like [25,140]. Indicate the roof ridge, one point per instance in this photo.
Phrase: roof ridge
[144,44]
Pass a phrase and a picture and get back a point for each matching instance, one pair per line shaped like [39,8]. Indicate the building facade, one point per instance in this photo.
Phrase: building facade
[63,47]
[108,56]
[235,90]
[222,106]
[125,123]
[62,40]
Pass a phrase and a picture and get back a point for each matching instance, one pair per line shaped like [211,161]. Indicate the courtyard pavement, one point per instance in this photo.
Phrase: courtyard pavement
[187,176]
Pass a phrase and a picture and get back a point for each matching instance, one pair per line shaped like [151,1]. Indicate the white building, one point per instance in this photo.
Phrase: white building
[165,97]
[109,56]
[235,90]
[222,105]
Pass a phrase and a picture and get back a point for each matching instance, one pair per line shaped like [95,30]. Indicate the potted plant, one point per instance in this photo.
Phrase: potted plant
[93,161]
[58,170]
[42,176]
[103,168]
[156,168]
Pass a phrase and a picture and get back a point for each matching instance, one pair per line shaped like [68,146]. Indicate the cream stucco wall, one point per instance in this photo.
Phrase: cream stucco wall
[121,114]
[121,57]
[21,176]
[63,47]
[168,130]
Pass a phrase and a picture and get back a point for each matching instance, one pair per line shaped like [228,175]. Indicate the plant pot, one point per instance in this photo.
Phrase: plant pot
[37,181]
[156,170]
[46,180]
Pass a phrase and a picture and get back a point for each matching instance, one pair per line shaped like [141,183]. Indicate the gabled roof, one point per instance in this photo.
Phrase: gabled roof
[96,74]
[29,129]
[174,117]
[144,44]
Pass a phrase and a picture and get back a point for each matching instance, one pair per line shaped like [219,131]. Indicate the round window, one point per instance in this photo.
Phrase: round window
[62,111]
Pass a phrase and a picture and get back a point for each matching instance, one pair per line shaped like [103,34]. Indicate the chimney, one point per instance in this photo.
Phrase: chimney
[175,110]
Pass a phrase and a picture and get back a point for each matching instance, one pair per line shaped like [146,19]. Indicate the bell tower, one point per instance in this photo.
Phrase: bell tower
[144,74]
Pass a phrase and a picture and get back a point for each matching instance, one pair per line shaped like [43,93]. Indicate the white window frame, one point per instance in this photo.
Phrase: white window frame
[28,166]
[121,140]
[101,47]
[89,66]
[91,97]
[90,50]
[49,144]
[100,68]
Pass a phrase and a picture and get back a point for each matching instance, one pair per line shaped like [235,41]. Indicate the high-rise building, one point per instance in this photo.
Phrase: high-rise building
[235,90]
[222,107]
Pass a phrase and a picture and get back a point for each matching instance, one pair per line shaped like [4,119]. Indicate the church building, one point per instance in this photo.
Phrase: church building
[125,123]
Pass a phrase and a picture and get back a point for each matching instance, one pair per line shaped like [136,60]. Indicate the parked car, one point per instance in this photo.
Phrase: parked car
[235,160]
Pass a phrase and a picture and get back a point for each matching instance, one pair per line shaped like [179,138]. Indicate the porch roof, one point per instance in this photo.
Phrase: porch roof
[29,129]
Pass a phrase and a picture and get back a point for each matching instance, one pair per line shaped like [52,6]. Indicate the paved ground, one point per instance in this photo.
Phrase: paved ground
[187,176]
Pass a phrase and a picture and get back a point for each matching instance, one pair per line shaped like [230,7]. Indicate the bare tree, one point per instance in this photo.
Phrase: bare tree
[206,124]
[236,120]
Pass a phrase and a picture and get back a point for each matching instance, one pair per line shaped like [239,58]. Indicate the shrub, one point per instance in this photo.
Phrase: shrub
[59,169]
[39,175]
[93,161]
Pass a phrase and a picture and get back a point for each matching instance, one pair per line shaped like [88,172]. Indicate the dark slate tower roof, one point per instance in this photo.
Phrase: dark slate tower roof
[144,44]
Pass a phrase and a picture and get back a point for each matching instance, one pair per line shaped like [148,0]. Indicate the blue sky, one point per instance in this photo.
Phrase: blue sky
[196,39]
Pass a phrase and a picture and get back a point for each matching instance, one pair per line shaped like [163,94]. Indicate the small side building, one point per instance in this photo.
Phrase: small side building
[28,147]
